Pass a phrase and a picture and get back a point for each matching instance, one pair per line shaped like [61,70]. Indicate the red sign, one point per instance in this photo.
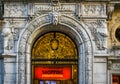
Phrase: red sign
[52,73]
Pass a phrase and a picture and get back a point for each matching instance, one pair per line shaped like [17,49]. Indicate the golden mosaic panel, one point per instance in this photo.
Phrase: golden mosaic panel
[54,45]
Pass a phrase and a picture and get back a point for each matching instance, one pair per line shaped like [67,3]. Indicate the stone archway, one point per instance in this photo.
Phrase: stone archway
[74,27]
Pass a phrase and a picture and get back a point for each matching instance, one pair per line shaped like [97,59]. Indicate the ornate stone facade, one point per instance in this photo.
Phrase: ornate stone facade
[91,25]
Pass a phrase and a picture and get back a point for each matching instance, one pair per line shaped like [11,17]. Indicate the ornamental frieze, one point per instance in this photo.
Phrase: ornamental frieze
[115,66]
[71,9]
[93,10]
[47,7]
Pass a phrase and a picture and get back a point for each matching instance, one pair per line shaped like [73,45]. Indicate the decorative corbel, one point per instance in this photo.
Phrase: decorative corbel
[110,10]
[54,17]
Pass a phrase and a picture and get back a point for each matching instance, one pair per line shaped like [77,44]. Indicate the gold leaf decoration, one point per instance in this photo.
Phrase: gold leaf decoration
[54,45]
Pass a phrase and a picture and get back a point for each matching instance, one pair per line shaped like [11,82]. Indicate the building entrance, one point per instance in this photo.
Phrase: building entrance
[54,59]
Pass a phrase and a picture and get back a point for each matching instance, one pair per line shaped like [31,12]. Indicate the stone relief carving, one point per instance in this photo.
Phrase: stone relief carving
[99,32]
[54,17]
[14,30]
[115,66]
[15,26]
[8,38]
[94,9]
[15,10]
[36,9]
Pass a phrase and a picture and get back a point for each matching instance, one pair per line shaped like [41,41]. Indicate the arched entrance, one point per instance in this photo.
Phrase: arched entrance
[54,60]
[67,25]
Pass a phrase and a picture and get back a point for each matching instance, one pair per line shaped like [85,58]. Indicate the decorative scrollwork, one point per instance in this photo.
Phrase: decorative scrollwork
[54,44]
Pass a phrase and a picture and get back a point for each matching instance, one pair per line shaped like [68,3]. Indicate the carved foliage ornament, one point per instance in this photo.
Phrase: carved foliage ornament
[54,45]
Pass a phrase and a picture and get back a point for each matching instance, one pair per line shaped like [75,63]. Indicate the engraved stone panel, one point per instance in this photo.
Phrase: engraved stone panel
[38,9]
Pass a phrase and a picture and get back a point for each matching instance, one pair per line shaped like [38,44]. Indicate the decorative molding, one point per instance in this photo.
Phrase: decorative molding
[115,66]
[100,59]
[94,10]
[37,9]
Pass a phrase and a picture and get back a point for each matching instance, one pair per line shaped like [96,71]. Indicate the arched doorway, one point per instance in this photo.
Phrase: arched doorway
[68,25]
[54,59]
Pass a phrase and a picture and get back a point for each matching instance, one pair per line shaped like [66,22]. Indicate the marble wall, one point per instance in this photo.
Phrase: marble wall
[91,25]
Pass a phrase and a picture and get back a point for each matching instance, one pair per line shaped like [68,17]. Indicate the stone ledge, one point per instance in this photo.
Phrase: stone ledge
[8,55]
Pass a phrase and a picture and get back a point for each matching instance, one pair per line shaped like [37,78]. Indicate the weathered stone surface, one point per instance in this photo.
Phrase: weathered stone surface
[84,22]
